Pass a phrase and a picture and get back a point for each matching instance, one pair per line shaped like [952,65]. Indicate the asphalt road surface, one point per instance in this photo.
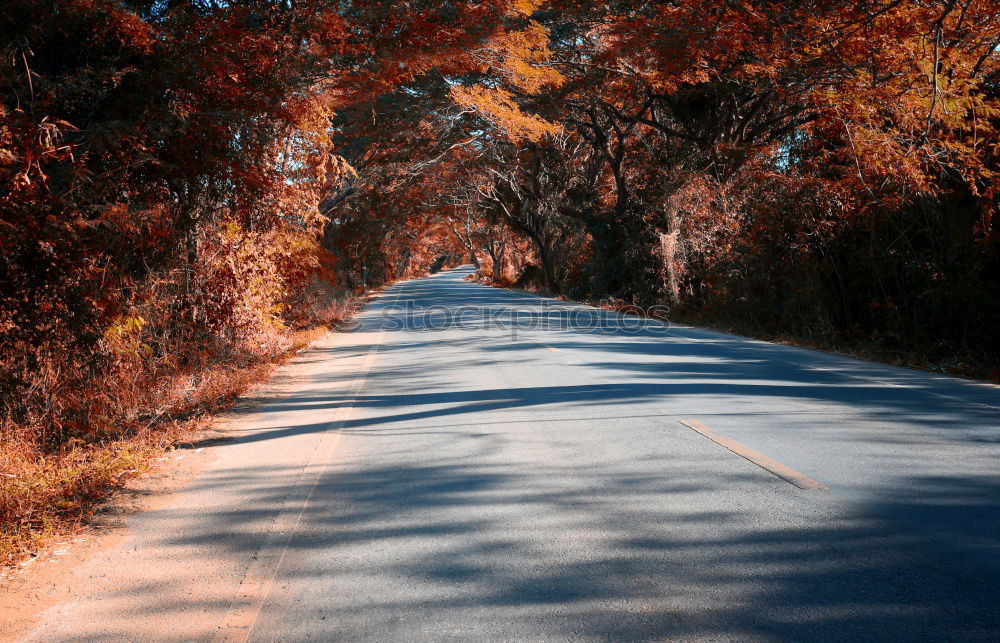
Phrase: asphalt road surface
[506,467]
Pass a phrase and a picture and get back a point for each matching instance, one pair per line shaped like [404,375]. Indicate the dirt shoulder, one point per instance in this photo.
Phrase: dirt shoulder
[40,582]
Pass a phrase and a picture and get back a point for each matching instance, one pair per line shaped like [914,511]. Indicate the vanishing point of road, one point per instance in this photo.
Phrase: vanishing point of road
[472,463]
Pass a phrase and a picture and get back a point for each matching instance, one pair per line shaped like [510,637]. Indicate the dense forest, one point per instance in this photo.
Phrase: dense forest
[185,184]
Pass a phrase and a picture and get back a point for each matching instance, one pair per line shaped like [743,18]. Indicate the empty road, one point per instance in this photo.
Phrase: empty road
[477,464]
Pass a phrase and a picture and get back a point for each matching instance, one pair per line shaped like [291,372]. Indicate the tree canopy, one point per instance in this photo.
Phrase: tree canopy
[186,178]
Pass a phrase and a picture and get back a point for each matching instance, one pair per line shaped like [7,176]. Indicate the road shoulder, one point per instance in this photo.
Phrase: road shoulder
[54,576]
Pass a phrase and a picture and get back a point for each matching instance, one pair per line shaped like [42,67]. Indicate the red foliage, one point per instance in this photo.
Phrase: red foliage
[191,180]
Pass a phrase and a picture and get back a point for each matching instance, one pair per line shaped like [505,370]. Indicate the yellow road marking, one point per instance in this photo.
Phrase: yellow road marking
[785,473]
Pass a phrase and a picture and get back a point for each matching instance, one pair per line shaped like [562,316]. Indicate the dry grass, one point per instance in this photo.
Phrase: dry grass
[47,493]
[43,495]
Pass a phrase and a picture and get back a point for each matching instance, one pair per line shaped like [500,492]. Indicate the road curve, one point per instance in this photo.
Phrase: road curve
[474,463]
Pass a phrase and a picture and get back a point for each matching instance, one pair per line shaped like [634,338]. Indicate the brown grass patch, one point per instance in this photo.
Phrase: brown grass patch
[48,492]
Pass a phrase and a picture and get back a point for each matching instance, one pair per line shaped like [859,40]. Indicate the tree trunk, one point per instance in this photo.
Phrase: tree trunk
[548,270]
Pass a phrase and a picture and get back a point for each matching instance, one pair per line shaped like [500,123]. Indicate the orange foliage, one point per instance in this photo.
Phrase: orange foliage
[190,182]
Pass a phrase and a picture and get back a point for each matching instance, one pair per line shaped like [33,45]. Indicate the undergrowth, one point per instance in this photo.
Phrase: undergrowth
[50,491]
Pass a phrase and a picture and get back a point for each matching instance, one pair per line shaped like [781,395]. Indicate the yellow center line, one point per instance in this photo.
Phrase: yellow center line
[785,473]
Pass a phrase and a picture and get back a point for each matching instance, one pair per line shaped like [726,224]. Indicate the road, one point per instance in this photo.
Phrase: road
[520,471]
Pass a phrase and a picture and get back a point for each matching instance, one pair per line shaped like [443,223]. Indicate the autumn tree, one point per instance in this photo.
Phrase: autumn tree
[188,177]
[168,170]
